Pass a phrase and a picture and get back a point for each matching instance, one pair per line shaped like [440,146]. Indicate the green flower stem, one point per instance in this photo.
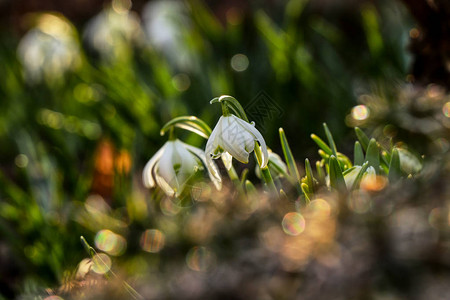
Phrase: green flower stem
[225,110]
[92,253]
[234,176]
[265,172]
[172,135]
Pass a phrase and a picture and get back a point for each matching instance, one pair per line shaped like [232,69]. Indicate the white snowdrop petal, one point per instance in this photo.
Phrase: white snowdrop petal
[163,184]
[213,143]
[147,173]
[213,172]
[234,138]
[258,137]
[227,160]
[166,166]
[188,161]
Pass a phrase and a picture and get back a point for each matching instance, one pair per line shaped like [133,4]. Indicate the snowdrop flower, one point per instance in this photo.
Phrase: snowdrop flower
[49,49]
[112,33]
[234,137]
[174,164]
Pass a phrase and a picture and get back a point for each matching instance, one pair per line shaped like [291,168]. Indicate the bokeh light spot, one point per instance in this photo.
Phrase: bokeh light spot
[152,240]
[168,207]
[373,183]
[446,109]
[200,259]
[293,223]
[359,202]
[360,112]
[414,33]
[101,263]
[110,242]
[181,82]
[234,16]
[319,208]
[121,6]
[21,161]
[201,192]
[239,62]
[439,218]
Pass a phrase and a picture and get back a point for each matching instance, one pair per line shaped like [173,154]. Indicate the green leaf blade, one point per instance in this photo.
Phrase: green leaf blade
[395,171]
[358,154]
[336,177]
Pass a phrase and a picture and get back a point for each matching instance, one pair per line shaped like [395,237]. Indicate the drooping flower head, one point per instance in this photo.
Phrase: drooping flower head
[234,137]
[176,162]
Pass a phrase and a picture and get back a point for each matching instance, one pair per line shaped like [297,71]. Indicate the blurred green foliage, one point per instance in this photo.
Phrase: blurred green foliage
[82,116]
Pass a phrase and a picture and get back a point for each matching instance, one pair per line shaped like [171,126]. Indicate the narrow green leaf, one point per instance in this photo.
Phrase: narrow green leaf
[336,178]
[330,139]
[345,172]
[320,172]
[395,171]
[309,176]
[289,158]
[290,161]
[373,155]
[358,154]
[321,144]
[359,177]
[305,190]
[385,156]
[87,247]
[250,188]
[362,137]
[323,154]
[244,176]
[344,161]
[190,123]
[372,29]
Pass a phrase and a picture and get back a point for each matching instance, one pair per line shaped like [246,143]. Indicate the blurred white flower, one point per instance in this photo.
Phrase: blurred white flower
[234,137]
[167,24]
[112,32]
[174,164]
[49,49]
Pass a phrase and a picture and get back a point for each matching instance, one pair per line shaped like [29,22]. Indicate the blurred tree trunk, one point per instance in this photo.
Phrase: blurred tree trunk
[430,45]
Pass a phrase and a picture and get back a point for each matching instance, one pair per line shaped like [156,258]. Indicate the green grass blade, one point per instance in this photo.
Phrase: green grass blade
[358,154]
[362,137]
[330,139]
[344,161]
[290,161]
[373,155]
[336,178]
[305,190]
[322,145]
[309,176]
[320,172]
[244,176]
[250,188]
[323,154]
[395,171]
